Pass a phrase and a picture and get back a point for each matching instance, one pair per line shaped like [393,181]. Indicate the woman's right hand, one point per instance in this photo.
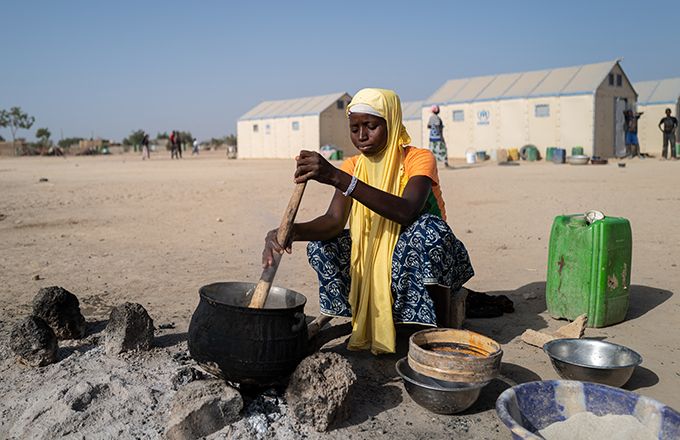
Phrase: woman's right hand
[312,166]
[272,245]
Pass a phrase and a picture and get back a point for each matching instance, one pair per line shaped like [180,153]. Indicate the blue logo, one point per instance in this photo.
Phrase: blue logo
[483,117]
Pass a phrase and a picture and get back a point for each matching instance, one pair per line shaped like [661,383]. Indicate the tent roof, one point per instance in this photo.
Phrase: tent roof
[411,110]
[663,91]
[312,105]
[573,80]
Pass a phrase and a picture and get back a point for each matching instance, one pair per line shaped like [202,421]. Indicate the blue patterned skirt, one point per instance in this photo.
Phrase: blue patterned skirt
[426,253]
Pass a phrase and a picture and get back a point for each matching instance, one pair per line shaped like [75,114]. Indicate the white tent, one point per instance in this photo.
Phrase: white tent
[280,129]
[563,107]
[410,114]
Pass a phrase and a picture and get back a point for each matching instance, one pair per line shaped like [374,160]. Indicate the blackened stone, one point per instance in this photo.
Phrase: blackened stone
[186,375]
[34,342]
[61,310]
[130,328]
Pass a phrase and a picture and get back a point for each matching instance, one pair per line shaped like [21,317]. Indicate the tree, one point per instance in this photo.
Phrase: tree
[185,137]
[67,142]
[135,138]
[230,140]
[43,134]
[227,140]
[163,135]
[15,119]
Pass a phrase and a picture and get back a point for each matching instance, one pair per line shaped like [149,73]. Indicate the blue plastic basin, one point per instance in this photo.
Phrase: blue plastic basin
[527,408]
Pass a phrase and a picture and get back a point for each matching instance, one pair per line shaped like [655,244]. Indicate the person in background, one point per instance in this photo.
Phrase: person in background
[668,125]
[631,127]
[437,144]
[194,147]
[175,145]
[145,147]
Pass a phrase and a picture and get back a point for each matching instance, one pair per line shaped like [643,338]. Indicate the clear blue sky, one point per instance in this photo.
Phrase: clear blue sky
[106,68]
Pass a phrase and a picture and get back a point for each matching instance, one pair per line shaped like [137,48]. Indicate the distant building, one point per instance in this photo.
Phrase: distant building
[654,98]
[411,115]
[280,129]
[563,107]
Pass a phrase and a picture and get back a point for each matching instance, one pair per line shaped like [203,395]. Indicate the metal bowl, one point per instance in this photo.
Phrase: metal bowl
[578,159]
[436,395]
[591,360]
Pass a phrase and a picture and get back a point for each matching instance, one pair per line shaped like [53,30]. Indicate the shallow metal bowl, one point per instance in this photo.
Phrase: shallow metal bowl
[578,159]
[436,395]
[591,360]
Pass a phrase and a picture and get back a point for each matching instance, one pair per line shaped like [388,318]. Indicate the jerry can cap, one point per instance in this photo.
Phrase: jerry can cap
[592,216]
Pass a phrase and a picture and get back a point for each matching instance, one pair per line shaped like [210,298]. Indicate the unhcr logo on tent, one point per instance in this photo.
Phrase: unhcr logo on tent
[483,117]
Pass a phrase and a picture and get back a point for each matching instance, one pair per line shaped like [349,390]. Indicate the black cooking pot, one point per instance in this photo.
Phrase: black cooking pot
[251,346]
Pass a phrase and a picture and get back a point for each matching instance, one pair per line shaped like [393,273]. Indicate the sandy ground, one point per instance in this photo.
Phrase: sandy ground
[114,229]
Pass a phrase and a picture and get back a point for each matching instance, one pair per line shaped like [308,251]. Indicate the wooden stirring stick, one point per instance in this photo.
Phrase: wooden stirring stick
[283,235]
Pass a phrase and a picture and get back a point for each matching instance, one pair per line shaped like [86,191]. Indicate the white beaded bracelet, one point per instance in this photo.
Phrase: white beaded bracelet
[350,188]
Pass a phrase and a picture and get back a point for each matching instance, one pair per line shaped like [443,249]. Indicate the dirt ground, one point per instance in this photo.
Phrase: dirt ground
[114,229]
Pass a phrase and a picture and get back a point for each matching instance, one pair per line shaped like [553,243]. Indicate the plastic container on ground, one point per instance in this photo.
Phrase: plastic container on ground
[577,151]
[532,154]
[470,156]
[529,152]
[549,152]
[481,156]
[559,155]
[336,155]
[589,269]
[501,155]
[513,154]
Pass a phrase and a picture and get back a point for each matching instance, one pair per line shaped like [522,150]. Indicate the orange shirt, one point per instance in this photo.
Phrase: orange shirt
[417,162]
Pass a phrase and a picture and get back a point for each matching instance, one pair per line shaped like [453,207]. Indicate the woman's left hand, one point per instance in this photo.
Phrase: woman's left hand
[312,166]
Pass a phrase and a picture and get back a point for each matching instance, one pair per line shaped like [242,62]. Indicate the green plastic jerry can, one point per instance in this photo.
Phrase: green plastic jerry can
[589,268]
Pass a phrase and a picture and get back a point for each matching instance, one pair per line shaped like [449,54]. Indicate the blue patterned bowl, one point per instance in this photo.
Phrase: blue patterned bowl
[527,408]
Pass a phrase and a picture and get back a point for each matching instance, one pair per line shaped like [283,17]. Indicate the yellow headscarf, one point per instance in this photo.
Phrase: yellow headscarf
[373,236]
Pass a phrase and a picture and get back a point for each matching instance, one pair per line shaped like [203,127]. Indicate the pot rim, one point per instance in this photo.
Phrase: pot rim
[301,300]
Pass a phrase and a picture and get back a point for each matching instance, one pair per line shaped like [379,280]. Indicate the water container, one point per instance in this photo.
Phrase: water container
[577,151]
[559,155]
[513,154]
[501,155]
[532,154]
[481,156]
[470,157]
[589,268]
[529,152]
[549,153]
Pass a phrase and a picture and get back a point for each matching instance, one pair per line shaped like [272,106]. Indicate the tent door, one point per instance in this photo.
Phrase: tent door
[620,105]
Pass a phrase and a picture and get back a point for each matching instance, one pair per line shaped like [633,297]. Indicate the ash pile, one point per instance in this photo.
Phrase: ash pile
[64,376]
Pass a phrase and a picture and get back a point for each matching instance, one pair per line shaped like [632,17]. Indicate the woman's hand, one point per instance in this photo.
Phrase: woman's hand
[271,245]
[312,166]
